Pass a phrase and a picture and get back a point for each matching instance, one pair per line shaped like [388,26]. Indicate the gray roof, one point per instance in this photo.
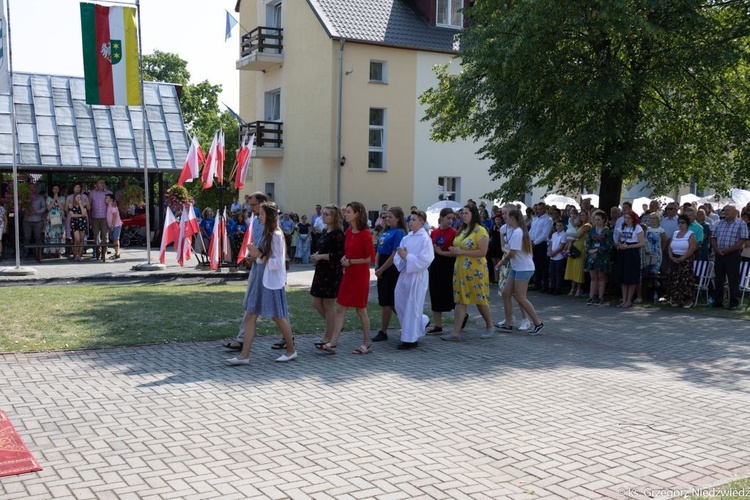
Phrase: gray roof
[384,22]
[57,130]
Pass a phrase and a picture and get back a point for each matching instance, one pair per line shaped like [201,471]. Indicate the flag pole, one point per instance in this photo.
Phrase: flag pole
[18,270]
[148,266]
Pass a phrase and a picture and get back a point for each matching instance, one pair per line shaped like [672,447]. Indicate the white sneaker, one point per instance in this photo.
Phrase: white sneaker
[525,325]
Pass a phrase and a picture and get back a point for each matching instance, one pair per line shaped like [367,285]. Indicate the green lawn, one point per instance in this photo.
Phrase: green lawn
[36,318]
[736,490]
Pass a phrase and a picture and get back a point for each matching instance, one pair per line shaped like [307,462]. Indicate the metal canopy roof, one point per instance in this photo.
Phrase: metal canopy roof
[57,130]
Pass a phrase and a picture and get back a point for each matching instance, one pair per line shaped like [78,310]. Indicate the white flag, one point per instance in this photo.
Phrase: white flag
[4,73]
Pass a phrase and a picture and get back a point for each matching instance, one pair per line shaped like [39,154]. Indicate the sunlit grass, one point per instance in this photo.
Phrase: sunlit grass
[83,317]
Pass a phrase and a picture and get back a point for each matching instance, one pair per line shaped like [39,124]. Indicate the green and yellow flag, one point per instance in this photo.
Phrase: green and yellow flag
[110,55]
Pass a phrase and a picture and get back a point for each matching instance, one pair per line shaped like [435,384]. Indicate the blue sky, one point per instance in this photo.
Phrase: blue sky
[46,37]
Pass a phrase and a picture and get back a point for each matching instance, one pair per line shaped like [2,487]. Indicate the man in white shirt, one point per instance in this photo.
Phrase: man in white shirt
[541,228]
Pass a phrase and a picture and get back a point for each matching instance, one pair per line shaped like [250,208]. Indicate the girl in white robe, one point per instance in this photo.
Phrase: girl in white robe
[413,258]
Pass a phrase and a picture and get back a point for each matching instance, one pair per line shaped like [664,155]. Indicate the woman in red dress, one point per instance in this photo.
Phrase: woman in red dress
[355,285]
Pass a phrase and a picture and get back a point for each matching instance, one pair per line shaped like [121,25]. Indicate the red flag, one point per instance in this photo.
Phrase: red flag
[209,167]
[192,163]
[170,234]
[220,155]
[247,240]
[243,162]
[213,246]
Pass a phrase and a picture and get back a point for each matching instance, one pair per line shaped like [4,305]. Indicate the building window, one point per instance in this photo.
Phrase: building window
[448,188]
[448,13]
[376,152]
[379,71]
[273,105]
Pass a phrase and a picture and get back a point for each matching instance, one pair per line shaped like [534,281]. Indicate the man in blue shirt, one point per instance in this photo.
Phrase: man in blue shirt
[287,226]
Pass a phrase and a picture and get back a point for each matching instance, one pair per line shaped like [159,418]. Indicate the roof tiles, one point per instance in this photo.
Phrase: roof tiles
[57,130]
[385,22]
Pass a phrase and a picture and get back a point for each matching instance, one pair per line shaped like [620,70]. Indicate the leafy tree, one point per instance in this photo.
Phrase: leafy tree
[572,93]
[202,116]
[165,67]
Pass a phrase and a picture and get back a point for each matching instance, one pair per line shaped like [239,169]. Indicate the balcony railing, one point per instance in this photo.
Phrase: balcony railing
[263,40]
[267,134]
[261,49]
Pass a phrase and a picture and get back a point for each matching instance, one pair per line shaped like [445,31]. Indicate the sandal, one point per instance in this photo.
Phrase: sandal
[233,345]
[319,345]
[327,347]
[363,349]
[280,345]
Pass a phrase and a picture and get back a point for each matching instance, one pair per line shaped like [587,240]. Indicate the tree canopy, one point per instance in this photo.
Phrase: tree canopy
[563,94]
[200,111]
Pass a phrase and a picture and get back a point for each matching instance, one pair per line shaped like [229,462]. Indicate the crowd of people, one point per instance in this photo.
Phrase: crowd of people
[70,217]
[550,249]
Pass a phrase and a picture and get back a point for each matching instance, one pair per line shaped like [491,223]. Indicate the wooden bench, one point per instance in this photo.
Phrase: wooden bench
[38,248]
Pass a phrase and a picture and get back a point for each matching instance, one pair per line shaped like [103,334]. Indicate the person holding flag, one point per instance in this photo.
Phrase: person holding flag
[266,294]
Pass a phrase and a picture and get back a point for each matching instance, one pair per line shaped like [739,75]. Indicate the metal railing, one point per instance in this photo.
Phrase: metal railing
[262,40]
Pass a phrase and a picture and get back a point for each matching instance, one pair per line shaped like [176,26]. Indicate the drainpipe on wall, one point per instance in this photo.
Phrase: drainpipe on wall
[338,134]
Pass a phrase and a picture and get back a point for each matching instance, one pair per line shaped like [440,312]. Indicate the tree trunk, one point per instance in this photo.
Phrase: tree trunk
[609,190]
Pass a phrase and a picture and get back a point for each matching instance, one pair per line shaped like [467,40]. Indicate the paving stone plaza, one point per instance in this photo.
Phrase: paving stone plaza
[607,403]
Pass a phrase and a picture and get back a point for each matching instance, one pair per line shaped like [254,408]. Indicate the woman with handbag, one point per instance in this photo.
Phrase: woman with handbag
[596,258]
[682,246]
[521,260]
[266,294]
[54,229]
[574,266]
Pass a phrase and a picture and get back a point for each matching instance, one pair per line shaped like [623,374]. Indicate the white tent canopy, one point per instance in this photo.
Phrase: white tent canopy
[561,201]
[593,197]
[433,211]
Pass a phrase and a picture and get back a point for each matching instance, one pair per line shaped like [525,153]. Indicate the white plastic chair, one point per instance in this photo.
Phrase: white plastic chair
[704,272]
[744,281]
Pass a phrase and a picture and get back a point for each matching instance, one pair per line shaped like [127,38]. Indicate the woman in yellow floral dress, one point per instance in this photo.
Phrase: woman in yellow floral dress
[471,283]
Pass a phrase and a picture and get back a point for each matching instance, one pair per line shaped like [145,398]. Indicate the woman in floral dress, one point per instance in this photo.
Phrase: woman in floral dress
[598,245]
[471,283]
[54,227]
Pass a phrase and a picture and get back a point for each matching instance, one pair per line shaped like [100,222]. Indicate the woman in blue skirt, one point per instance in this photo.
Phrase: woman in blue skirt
[266,295]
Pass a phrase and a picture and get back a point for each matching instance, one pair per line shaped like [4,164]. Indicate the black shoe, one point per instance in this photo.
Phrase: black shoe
[733,307]
[406,345]
[233,345]
[280,345]
[381,336]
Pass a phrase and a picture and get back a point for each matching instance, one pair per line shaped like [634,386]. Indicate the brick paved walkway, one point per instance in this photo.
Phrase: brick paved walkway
[607,403]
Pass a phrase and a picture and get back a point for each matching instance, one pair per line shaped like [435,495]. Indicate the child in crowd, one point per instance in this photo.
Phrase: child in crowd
[557,243]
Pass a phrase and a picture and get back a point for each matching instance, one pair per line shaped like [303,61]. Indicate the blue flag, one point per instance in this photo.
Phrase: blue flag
[231,23]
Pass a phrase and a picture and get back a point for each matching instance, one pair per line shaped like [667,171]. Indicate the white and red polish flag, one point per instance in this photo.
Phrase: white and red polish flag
[213,245]
[243,161]
[247,240]
[226,250]
[188,228]
[190,170]
[209,167]
[170,234]
[220,155]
